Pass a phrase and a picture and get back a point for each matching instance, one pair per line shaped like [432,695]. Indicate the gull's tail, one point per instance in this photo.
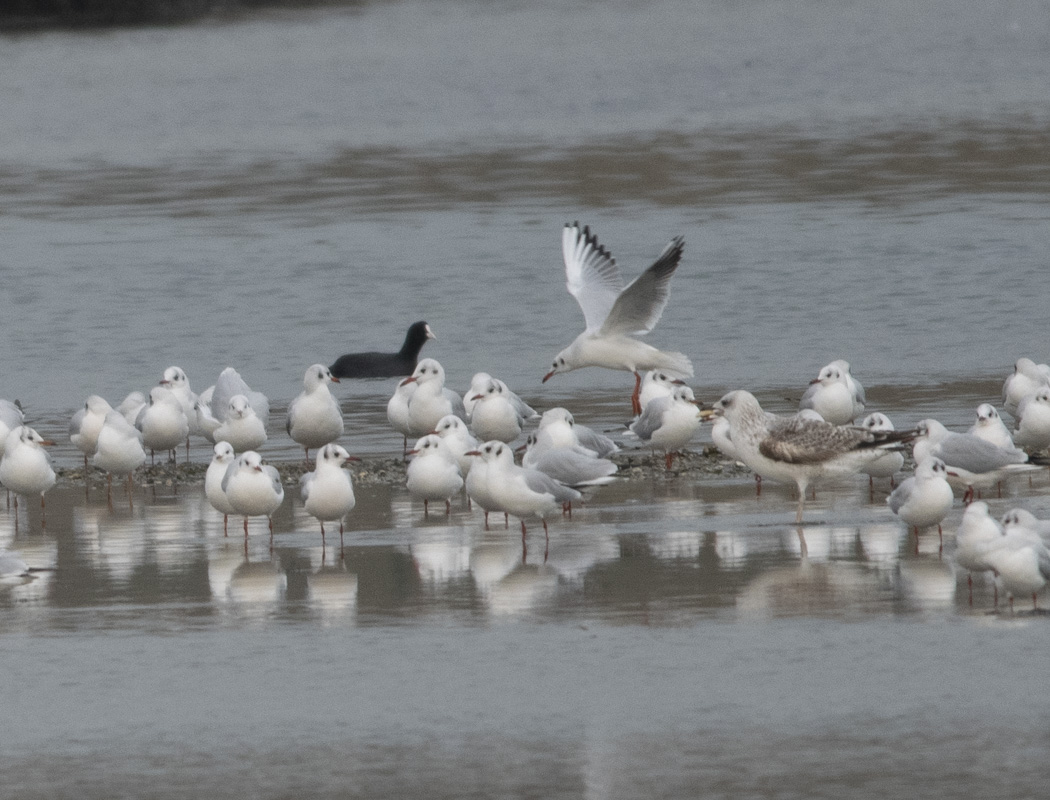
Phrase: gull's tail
[678,364]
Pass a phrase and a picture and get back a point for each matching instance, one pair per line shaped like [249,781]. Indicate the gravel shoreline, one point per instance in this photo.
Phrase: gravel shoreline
[378,470]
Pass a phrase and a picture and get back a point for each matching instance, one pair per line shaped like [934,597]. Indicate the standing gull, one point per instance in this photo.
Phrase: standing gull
[118,450]
[433,473]
[86,425]
[25,467]
[1033,421]
[978,533]
[890,462]
[668,423]
[494,415]
[314,417]
[800,450]
[1026,379]
[989,426]
[480,382]
[242,427]
[253,489]
[328,492]
[431,400]
[925,498]
[615,314]
[972,462]
[220,462]
[1022,564]
[835,394]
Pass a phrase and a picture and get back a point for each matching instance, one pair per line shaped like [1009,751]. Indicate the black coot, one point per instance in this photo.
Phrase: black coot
[385,365]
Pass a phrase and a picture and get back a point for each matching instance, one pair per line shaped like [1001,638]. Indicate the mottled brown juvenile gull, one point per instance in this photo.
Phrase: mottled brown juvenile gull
[800,450]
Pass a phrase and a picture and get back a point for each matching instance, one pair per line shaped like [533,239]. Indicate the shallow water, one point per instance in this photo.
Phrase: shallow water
[866,182]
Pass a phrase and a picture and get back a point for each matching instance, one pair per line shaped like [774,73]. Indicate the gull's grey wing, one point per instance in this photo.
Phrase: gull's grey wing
[573,469]
[591,274]
[639,306]
[974,454]
[651,418]
[899,496]
[592,440]
[229,472]
[305,482]
[275,479]
[76,422]
[542,483]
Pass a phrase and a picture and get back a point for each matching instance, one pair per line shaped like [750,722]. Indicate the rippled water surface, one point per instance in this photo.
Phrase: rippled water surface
[868,181]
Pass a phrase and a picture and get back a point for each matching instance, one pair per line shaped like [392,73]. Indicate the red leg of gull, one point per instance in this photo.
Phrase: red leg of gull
[969,584]
[448,508]
[636,402]
[524,546]
[668,460]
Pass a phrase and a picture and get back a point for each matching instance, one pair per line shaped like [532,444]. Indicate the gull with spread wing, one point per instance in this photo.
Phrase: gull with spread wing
[615,313]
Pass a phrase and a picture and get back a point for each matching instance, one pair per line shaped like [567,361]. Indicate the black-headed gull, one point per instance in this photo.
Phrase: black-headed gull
[567,465]
[835,394]
[1020,519]
[657,383]
[1033,421]
[972,462]
[519,491]
[1026,379]
[86,424]
[220,462]
[978,533]
[314,416]
[560,425]
[431,400]
[175,379]
[386,365]
[800,450]
[25,467]
[458,440]
[162,422]
[254,489]
[668,423]
[328,491]
[433,473]
[242,427]
[214,402]
[118,450]
[924,499]
[614,313]
[989,426]
[480,381]
[890,463]
[494,415]
[1021,563]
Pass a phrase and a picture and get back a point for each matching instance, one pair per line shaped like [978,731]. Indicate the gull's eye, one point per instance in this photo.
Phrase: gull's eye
[499,451]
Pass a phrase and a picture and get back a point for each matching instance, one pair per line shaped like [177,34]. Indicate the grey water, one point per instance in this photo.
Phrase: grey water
[864,181]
